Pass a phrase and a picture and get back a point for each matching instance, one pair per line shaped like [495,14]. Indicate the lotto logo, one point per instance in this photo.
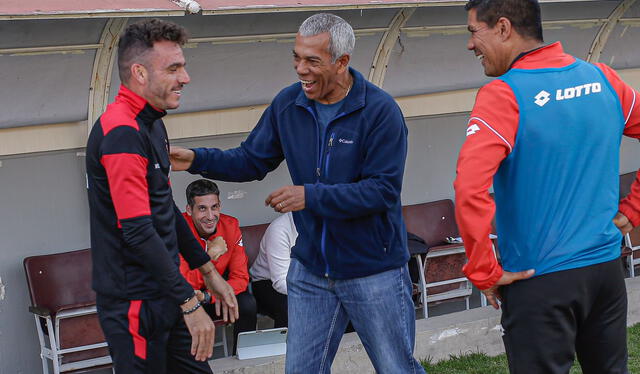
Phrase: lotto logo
[472,129]
[542,98]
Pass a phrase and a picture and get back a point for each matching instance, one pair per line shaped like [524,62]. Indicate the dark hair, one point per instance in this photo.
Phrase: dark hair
[138,39]
[523,14]
[201,187]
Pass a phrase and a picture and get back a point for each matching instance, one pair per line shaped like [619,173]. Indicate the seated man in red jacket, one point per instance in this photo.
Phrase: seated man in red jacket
[213,229]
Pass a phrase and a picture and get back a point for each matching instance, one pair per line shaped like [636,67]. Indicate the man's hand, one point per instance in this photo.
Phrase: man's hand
[622,223]
[225,297]
[286,199]
[202,330]
[492,293]
[216,247]
[181,158]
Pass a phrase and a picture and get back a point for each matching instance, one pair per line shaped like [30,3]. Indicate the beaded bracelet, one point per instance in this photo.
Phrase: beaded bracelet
[189,311]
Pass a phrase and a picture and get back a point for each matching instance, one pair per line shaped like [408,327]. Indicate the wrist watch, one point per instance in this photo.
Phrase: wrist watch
[207,298]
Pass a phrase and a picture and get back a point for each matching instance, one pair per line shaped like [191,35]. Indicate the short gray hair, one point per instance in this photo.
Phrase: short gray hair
[341,36]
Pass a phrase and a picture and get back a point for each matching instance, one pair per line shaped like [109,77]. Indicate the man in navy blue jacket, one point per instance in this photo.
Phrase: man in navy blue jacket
[345,142]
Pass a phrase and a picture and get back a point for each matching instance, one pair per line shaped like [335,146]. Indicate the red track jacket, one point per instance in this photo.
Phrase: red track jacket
[235,259]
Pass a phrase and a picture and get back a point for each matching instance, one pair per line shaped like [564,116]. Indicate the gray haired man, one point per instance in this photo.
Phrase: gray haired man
[345,142]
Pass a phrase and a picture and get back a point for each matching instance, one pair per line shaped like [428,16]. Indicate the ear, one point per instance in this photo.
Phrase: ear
[139,73]
[188,209]
[504,27]
[343,63]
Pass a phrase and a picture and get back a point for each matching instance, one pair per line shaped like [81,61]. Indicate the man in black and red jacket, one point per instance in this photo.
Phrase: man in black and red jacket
[150,317]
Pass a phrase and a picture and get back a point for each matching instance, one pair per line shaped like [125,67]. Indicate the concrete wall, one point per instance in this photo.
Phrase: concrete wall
[44,210]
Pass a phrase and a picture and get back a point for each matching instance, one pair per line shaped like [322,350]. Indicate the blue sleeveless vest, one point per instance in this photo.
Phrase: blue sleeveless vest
[557,191]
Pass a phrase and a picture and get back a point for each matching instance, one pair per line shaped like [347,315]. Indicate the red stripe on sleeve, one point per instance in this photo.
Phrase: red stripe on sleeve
[139,342]
[127,175]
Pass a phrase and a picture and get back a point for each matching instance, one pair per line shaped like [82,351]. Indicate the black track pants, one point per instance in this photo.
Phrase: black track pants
[147,336]
[549,319]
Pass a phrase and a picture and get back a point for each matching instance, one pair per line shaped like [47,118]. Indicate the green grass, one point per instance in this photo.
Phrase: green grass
[479,363]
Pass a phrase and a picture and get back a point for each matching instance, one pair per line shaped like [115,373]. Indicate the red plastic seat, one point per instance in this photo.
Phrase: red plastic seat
[440,270]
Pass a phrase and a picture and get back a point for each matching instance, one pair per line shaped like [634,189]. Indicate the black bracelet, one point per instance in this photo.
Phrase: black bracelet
[189,311]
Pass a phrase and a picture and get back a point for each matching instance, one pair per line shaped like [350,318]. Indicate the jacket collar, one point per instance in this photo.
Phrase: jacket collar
[354,100]
[523,54]
[144,110]
[551,55]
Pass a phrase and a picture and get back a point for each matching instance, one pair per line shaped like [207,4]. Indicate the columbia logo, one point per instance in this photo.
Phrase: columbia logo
[542,98]
[345,141]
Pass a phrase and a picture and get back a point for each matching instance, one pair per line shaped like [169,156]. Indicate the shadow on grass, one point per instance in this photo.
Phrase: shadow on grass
[480,363]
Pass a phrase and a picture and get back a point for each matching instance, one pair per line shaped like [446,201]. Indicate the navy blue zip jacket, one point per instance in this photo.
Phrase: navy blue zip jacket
[352,222]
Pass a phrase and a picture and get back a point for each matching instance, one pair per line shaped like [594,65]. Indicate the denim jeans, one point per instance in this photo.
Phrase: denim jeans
[379,307]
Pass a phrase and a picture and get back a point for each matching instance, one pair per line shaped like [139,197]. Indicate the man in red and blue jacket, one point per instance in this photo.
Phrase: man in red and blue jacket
[547,134]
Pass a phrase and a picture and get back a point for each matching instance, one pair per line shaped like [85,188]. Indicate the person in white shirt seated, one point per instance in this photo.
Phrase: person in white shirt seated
[269,271]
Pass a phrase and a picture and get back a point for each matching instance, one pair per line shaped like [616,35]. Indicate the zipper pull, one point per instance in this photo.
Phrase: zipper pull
[318,171]
[331,141]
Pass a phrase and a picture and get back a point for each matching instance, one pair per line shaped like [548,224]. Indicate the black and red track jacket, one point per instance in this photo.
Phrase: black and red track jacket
[136,229]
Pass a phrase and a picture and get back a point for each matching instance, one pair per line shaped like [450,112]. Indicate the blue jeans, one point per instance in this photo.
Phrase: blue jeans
[379,306]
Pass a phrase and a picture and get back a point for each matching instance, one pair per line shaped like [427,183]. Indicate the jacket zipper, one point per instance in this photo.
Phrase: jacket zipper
[319,170]
[318,173]
[324,226]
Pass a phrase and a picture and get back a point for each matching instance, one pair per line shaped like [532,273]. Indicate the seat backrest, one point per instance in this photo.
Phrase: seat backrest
[448,266]
[432,221]
[251,237]
[444,263]
[60,280]
[625,183]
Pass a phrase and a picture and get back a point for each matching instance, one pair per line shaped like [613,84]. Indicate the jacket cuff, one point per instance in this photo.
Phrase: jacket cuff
[310,198]
[488,282]
[630,212]
[183,292]
[198,161]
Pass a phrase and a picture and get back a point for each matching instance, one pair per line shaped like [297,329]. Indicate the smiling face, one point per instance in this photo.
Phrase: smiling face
[488,44]
[318,75]
[165,75]
[205,214]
